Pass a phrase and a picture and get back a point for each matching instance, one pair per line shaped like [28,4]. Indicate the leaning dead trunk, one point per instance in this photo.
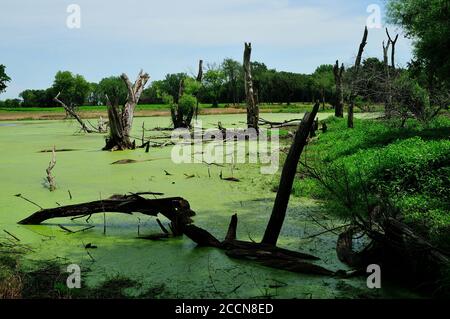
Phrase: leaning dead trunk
[121,119]
[73,114]
[339,107]
[252,107]
[357,66]
[287,178]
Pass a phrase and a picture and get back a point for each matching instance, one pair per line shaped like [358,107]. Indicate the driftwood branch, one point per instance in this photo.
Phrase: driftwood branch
[50,177]
[74,114]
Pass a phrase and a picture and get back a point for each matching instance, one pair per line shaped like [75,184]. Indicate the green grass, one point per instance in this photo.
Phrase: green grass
[378,162]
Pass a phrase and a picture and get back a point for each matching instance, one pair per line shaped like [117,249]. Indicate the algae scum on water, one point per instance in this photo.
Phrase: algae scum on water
[173,268]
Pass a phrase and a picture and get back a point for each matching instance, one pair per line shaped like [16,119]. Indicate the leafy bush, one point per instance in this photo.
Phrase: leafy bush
[186,103]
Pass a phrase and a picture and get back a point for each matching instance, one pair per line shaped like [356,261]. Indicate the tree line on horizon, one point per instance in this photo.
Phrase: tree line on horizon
[221,84]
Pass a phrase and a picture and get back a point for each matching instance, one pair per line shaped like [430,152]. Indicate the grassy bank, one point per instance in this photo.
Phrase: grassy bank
[378,162]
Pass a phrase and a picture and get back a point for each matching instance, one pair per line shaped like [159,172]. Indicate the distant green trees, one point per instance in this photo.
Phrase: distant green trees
[427,23]
[37,98]
[73,87]
[323,79]
[4,78]
[112,88]
[224,83]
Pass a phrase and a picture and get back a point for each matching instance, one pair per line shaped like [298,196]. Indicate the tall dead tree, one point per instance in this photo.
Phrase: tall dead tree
[199,80]
[353,92]
[388,87]
[121,118]
[252,106]
[273,228]
[393,42]
[339,105]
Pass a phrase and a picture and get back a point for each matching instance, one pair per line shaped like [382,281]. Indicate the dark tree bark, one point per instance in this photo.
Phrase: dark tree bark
[178,211]
[388,87]
[121,119]
[252,106]
[200,71]
[338,72]
[357,66]
[287,178]
[393,42]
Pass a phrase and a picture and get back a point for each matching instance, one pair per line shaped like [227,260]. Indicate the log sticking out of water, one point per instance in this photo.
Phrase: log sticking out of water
[178,211]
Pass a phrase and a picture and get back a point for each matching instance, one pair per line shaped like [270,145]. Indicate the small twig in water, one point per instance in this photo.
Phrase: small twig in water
[11,235]
[24,198]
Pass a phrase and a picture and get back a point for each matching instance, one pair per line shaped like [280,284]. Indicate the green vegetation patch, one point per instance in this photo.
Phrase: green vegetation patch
[378,162]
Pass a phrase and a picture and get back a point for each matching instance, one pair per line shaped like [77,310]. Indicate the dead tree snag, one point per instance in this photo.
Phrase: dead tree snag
[393,42]
[353,92]
[252,107]
[121,119]
[339,105]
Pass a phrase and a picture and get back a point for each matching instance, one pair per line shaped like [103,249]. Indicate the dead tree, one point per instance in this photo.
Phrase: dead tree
[357,66]
[287,178]
[388,86]
[393,42]
[73,113]
[338,72]
[199,80]
[121,119]
[252,107]
[50,177]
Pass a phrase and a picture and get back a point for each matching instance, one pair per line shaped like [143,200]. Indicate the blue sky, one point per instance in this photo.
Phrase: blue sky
[172,35]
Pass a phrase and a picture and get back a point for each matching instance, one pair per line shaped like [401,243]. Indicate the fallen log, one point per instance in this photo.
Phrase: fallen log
[178,211]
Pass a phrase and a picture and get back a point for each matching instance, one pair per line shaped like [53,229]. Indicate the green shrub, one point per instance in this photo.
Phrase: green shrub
[187,103]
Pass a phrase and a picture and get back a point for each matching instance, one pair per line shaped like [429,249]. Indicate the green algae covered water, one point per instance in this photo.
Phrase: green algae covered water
[184,270]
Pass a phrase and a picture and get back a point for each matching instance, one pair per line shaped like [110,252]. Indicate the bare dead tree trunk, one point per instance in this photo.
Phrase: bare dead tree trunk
[199,80]
[273,228]
[338,72]
[200,71]
[393,42]
[121,120]
[72,113]
[388,87]
[357,66]
[252,107]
